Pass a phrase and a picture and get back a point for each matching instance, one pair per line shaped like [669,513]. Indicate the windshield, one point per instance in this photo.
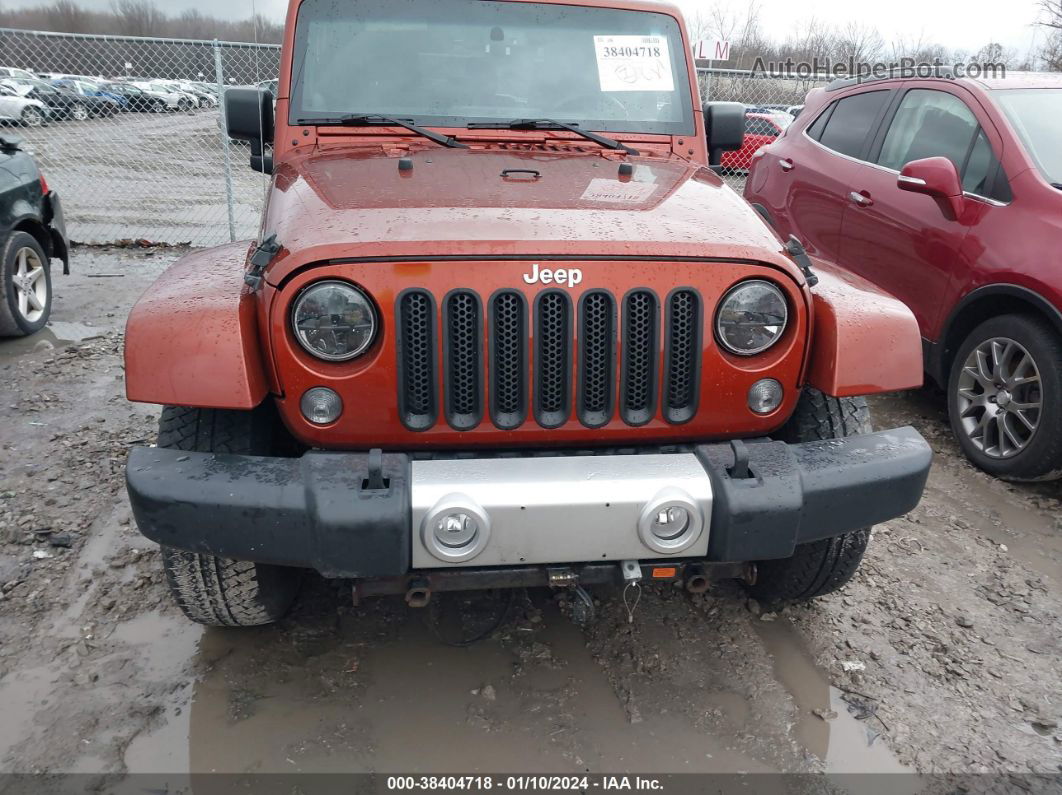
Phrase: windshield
[1036,114]
[452,62]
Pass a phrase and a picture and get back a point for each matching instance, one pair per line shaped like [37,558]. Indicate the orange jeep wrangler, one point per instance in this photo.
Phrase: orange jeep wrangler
[504,326]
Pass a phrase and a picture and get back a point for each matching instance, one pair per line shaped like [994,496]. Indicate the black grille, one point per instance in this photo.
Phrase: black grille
[416,359]
[565,374]
[508,359]
[683,356]
[597,358]
[553,336]
[640,348]
[463,343]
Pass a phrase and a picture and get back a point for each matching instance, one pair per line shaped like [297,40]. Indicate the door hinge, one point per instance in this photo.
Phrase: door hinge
[261,257]
[796,250]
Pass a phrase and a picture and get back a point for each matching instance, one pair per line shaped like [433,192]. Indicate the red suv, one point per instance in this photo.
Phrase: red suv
[947,194]
[761,128]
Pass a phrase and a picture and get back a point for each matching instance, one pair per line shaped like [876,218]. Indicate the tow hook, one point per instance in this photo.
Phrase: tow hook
[419,593]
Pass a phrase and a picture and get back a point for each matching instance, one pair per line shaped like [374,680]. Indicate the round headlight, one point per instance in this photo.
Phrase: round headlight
[751,317]
[334,321]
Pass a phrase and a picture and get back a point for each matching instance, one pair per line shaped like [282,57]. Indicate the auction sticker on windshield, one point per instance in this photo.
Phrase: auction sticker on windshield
[634,63]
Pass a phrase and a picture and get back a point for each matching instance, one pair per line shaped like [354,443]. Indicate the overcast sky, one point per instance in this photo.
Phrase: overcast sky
[967,26]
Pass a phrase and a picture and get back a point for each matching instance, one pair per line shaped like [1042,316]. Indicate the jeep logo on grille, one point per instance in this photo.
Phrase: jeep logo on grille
[564,276]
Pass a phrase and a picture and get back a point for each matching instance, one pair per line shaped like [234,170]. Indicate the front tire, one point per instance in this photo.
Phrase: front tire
[217,591]
[32,117]
[79,113]
[1005,398]
[26,284]
[823,566]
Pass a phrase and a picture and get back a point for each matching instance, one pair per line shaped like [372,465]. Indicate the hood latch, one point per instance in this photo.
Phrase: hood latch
[261,257]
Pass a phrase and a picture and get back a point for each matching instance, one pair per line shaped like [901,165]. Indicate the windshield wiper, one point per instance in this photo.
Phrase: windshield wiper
[369,119]
[550,124]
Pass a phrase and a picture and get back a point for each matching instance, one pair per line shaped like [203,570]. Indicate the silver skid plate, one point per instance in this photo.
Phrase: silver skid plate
[511,511]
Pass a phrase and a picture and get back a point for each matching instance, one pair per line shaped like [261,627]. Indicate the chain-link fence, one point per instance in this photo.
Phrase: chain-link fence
[771,103]
[128,131]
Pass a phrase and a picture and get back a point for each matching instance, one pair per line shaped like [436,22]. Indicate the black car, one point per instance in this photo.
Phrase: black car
[138,100]
[64,104]
[32,233]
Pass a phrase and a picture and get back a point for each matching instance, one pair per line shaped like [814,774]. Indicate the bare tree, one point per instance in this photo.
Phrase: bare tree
[67,15]
[1051,14]
[138,17]
[858,44]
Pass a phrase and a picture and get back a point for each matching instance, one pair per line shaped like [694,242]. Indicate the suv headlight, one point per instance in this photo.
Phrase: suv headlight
[751,317]
[334,321]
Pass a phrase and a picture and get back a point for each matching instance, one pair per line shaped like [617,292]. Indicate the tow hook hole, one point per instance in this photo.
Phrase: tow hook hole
[697,583]
[418,597]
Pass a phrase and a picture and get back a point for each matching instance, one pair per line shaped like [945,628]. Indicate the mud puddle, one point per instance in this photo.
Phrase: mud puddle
[55,335]
[374,690]
[827,726]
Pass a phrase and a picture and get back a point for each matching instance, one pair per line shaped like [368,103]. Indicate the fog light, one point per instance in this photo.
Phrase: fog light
[455,529]
[321,405]
[765,396]
[670,522]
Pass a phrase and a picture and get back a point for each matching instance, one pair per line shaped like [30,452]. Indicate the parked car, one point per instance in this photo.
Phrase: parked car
[137,99]
[11,71]
[761,128]
[15,108]
[62,103]
[205,98]
[592,306]
[91,90]
[32,234]
[175,100]
[948,195]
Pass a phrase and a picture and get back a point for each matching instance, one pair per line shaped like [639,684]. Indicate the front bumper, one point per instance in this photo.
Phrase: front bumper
[56,225]
[352,515]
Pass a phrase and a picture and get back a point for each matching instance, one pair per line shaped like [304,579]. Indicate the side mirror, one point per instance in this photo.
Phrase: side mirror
[935,177]
[249,117]
[724,123]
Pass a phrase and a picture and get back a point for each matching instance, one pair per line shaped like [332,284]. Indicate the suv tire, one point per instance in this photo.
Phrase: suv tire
[218,591]
[978,384]
[79,112]
[819,567]
[22,259]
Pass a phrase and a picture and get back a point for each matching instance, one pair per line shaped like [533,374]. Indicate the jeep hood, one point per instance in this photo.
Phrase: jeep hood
[355,203]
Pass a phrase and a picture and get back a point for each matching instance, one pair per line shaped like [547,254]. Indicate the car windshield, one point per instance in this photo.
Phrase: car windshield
[454,62]
[1036,114]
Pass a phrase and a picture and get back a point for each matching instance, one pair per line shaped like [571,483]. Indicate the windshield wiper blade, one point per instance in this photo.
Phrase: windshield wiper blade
[369,119]
[551,124]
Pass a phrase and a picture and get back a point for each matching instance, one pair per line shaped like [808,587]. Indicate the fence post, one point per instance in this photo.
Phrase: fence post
[219,74]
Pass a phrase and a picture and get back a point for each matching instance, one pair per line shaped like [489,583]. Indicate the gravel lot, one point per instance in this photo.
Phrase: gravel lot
[158,177]
[942,657]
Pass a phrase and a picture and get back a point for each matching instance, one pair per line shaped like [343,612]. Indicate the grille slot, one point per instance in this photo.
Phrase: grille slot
[463,351]
[597,358]
[553,358]
[416,344]
[508,359]
[641,323]
[683,350]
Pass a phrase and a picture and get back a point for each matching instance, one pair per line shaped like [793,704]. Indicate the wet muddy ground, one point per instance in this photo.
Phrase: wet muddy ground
[941,657]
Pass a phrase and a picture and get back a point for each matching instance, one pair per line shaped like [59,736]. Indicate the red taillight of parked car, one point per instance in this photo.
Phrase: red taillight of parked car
[44,186]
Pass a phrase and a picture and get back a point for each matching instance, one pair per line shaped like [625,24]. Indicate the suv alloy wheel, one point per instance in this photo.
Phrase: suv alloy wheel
[1005,398]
